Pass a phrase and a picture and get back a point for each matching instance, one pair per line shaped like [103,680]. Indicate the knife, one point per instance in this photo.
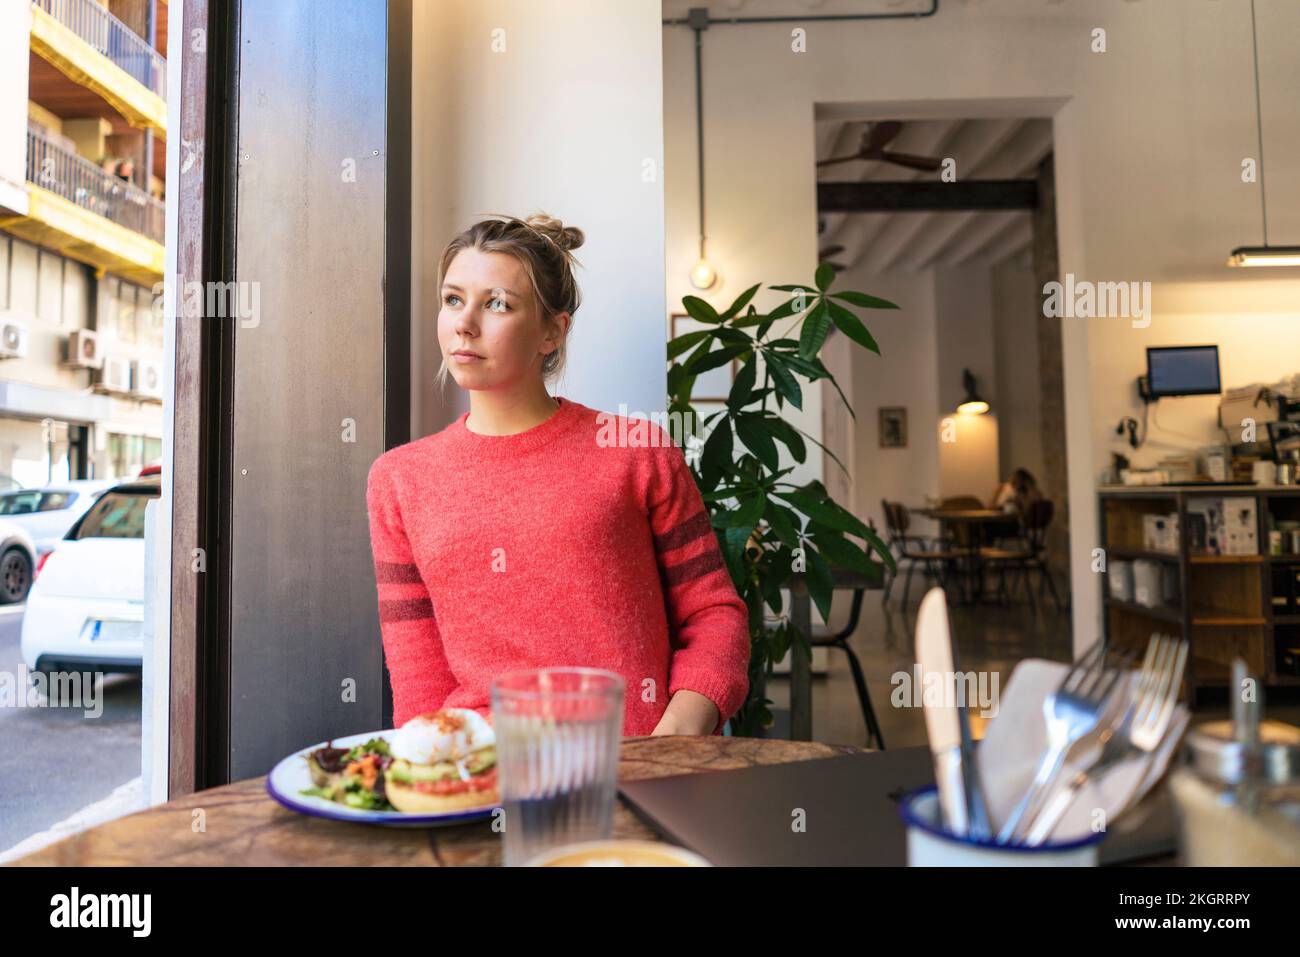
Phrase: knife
[947,725]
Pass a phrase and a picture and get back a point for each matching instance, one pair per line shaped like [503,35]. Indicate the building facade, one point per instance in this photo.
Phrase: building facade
[82,170]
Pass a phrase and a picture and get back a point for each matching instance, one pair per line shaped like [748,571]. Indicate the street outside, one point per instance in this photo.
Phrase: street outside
[55,761]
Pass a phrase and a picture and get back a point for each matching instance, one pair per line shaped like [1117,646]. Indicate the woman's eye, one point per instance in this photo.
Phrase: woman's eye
[498,305]
[447,299]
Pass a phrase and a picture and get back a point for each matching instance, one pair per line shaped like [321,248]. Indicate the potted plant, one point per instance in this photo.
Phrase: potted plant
[770,530]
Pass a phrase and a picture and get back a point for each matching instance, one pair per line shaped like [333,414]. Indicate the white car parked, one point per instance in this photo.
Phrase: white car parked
[48,512]
[86,608]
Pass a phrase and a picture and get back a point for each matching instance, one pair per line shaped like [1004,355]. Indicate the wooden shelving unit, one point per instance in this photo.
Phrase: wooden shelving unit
[1225,603]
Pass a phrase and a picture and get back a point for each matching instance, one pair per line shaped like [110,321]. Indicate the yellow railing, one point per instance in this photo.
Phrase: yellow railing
[130,86]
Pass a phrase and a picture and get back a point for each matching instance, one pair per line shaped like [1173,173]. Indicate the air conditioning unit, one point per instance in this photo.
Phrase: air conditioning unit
[13,339]
[146,379]
[114,375]
[83,350]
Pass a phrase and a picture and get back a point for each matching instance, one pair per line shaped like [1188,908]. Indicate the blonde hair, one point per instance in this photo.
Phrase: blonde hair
[543,245]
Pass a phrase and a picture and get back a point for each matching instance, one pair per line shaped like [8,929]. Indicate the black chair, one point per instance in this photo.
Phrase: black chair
[934,557]
[1027,557]
[823,637]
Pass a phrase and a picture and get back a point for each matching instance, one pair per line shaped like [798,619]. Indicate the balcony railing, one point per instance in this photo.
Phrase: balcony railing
[111,37]
[80,181]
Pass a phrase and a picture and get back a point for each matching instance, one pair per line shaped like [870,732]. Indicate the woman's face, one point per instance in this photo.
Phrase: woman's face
[489,329]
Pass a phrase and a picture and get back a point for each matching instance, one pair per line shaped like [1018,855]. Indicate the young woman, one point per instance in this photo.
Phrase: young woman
[519,537]
[1017,493]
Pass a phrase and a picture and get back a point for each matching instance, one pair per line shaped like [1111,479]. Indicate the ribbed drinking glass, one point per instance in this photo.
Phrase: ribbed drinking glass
[558,732]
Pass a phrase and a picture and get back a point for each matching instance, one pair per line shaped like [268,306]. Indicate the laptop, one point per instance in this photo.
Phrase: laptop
[832,812]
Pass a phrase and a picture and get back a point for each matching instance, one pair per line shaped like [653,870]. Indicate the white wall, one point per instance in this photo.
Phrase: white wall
[1016,314]
[963,301]
[968,456]
[1257,330]
[566,118]
[945,322]
[964,338]
[905,374]
[1149,138]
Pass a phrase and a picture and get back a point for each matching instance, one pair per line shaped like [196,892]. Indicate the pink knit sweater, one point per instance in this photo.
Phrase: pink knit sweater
[551,547]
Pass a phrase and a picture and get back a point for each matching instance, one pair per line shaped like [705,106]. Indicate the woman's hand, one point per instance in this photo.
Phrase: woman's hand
[688,712]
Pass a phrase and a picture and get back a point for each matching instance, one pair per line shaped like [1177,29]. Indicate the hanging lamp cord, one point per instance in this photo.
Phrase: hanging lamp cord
[1259,121]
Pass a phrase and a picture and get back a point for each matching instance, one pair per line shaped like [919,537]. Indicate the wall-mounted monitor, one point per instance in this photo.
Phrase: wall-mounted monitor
[1183,370]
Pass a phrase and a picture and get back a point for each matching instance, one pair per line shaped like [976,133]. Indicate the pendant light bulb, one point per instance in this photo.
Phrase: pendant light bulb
[703,275]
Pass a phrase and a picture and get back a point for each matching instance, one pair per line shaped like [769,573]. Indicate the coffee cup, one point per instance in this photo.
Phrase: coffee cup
[615,853]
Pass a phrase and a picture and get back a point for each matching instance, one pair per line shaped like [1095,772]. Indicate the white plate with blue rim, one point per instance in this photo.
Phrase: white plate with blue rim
[292,776]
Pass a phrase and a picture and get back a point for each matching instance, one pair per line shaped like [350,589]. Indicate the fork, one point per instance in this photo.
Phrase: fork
[1071,712]
[1140,732]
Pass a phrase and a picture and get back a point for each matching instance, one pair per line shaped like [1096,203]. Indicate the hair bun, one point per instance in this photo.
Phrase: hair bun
[566,237]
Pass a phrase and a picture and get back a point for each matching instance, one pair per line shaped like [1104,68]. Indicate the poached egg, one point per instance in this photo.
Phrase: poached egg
[451,734]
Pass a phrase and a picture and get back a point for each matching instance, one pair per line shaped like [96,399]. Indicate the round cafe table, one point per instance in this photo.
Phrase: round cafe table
[975,521]
[244,826]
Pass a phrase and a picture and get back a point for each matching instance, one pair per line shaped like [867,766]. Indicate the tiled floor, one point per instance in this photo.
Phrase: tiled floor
[989,638]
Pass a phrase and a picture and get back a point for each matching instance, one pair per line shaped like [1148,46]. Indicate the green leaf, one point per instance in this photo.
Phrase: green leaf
[733,542]
[863,300]
[716,453]
[826,512]
[749,513]
[733,336]
[821,586]
[824,277]
[816,327]
[680,383]
[882,549]
[787,308]
[778,517]
[851,326]
[753,432]
[772,593]
[805,368]
[701,311]
[787,433]
[711,360]
[740,303]
[739,396]
[684,342]
[787,385]
[844,553]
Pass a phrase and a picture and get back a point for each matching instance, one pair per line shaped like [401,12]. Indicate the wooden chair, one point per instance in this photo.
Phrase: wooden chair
[935,557]
[1027,557]
[966,539]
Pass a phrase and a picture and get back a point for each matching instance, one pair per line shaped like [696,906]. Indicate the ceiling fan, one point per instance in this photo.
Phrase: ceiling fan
[824,254]
[874,140]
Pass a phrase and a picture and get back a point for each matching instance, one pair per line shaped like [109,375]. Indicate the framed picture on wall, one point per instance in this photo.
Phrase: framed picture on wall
[712,385]
[893,427]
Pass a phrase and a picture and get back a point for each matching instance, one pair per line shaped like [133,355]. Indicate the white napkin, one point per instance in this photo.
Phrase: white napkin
[1016,739]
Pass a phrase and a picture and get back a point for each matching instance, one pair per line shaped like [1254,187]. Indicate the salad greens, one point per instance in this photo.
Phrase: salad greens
[336,782]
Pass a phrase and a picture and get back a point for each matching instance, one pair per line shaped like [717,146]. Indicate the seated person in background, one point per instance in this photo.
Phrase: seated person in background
[1016,493]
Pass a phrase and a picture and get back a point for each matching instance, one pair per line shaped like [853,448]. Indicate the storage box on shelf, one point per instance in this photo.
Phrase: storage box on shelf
[1160,533]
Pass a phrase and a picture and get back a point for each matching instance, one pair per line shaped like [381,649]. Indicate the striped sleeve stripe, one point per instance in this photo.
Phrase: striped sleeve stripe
[695,527]
[405,609]
[693,568]
[396,573]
